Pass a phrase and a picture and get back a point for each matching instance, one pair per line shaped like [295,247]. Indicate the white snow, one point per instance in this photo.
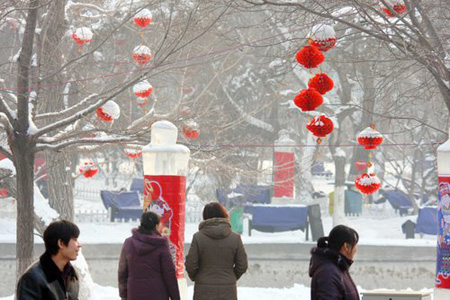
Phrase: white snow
[6,163]
[369,132]
[144,14]
[142,87]
[322,32]
[84,33]
[142,50]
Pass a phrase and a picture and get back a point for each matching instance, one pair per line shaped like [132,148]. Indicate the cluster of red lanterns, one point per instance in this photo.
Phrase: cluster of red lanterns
[82,35]
[396,5]
[322,38]
[367,183]
[88,169]
[191,129]
[142,90]
[370,139]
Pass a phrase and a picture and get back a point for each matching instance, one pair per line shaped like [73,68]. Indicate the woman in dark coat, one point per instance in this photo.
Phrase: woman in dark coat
[329,265]
[216,258]
[146,268]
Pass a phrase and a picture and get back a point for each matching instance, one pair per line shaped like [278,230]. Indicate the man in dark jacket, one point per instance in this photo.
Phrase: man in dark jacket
[53,277]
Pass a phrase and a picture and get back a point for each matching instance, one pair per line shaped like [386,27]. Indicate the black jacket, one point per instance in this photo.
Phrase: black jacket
[44,281]
[330,278]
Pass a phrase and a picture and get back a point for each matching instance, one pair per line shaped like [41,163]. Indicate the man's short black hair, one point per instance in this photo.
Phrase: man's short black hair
[63,230]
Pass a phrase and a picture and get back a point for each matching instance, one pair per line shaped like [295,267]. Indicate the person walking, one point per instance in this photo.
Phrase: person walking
[146,268]
[329,265]
[217,257]
[52,277]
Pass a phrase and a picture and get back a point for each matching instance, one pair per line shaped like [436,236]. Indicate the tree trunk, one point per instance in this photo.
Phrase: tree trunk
[60,191]
[22,149]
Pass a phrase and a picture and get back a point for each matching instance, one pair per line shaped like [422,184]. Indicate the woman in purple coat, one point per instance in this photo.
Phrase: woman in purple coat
[146,269]
[329,265]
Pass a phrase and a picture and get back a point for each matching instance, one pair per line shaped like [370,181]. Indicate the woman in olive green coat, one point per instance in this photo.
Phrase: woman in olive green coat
[216,258]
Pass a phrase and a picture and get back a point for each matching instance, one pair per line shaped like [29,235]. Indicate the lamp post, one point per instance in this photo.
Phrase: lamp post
[165,168]
[442,287]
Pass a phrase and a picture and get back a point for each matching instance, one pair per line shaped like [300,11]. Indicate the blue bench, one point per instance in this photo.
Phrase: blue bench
[427,221]
[123,204]
[277,218]
[398,199]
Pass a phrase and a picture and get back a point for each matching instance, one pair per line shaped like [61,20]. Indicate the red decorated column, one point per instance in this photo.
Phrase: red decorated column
[442,288]
[283,170]
[165,168]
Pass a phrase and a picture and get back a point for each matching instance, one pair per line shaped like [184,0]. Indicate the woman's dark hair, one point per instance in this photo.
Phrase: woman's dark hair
[59,230]
[338,236]
[149,220]
[214,210]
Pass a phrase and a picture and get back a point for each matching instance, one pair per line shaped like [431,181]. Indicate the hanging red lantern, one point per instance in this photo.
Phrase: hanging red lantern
[321,83]
[323,37]
[190,130]
[370,138]
[88,169]
[361,165]
[82,35]
[310,57]
[367,183]
[320,126]
[397,5]
[141,101]
[308,99]
[142,54]
[143,18]
[143,89]
[109,111]
[133,151]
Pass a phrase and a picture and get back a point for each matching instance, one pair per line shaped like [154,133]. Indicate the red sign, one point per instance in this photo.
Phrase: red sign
[166,196]
[443,247]
[283,175]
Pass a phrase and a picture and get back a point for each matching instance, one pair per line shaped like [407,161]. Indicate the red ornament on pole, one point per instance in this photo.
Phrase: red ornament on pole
[321,83]
[310,57]
[367,183]
[361,165]
[323,37]
[370,138]
[143,89]
[82,35]
[88,169]
[320,126]
[308,99]
[142,54]
[397,5]
[143,18]
[190,130]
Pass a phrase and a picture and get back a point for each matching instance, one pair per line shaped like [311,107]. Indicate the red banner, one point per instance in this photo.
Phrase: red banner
[166,196]
[443,247]
[283,175]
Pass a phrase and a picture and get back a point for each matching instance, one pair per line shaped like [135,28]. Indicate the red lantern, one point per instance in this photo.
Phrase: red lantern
[82,35]
[133,153]
[88,169]
[308,99]
[323,37]
[320,126]
[190,130]
[142,54]
[143,89]
[367,183]
[310,57]
[143,18]
[397,5]
[360,165]
[370,138]
[321,83]
[109,111]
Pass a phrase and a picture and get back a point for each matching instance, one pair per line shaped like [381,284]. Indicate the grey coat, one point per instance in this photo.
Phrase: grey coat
[216,260]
